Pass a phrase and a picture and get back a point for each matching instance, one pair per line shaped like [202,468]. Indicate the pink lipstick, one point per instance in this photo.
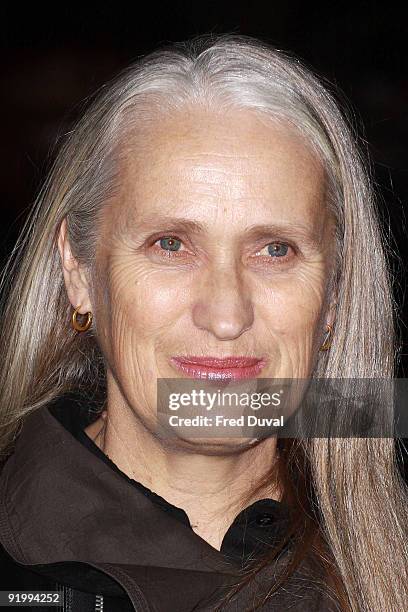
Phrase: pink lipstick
[219,368]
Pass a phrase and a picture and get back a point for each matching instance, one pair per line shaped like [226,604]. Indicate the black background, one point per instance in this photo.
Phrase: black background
[53,58]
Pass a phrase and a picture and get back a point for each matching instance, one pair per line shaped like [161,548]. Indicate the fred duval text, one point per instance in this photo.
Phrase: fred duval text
[249,420]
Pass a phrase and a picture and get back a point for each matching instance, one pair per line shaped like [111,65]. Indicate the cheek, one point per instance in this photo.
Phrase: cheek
[292,307]
[144,303]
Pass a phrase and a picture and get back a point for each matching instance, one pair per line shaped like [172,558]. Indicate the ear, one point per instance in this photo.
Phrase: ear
[75,279]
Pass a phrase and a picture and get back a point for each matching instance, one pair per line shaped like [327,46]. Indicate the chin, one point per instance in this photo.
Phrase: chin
[206,445]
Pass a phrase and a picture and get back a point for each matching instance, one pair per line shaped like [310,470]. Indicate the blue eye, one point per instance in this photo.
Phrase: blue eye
[170,244]
[276,249]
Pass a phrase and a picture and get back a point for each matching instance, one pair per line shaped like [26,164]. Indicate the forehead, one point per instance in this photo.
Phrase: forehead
[208,164]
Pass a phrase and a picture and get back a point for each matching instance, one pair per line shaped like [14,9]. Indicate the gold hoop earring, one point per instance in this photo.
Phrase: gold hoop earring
[327,341]
[76,325]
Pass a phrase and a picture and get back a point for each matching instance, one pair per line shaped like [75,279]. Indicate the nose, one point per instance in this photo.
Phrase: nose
[223,305]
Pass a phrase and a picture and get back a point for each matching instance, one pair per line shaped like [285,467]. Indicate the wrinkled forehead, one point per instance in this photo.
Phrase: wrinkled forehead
[221,168]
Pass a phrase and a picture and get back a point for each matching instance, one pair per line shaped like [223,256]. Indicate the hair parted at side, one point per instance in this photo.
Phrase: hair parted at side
[359,533]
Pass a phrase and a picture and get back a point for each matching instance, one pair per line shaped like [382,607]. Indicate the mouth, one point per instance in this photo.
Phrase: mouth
[216,368]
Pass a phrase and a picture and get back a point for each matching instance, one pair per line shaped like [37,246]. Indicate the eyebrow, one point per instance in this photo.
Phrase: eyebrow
[181,224]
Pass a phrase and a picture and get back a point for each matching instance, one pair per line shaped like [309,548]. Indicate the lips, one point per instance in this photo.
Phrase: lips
[232,368]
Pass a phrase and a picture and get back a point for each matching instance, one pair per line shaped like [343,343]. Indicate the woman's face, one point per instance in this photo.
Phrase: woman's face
[219,245]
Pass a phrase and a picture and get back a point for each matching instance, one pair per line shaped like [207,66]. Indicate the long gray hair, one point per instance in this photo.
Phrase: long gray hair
[362,498]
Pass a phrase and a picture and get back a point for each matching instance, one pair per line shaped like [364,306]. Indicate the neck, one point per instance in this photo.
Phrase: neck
[208,486]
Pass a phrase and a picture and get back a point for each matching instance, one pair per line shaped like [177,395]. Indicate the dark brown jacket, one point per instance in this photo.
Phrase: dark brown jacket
[71,521]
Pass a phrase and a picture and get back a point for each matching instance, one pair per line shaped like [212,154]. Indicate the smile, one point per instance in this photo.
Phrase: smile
[215,368]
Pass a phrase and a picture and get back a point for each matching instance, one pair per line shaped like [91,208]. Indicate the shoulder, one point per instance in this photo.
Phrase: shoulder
[15,576]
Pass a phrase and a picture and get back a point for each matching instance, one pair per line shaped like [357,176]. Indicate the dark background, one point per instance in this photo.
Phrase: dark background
[52,59]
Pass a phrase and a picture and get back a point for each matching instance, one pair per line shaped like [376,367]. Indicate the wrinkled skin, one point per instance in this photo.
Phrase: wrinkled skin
[221,293]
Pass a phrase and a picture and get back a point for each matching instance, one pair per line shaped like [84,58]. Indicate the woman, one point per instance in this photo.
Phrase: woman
[208,218]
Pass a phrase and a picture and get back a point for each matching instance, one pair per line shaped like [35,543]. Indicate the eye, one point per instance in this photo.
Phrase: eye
[169,243]
[169,247]
[275,250]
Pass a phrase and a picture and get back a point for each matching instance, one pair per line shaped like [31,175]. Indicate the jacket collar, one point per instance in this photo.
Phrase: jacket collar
[52,484]
[60,502]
